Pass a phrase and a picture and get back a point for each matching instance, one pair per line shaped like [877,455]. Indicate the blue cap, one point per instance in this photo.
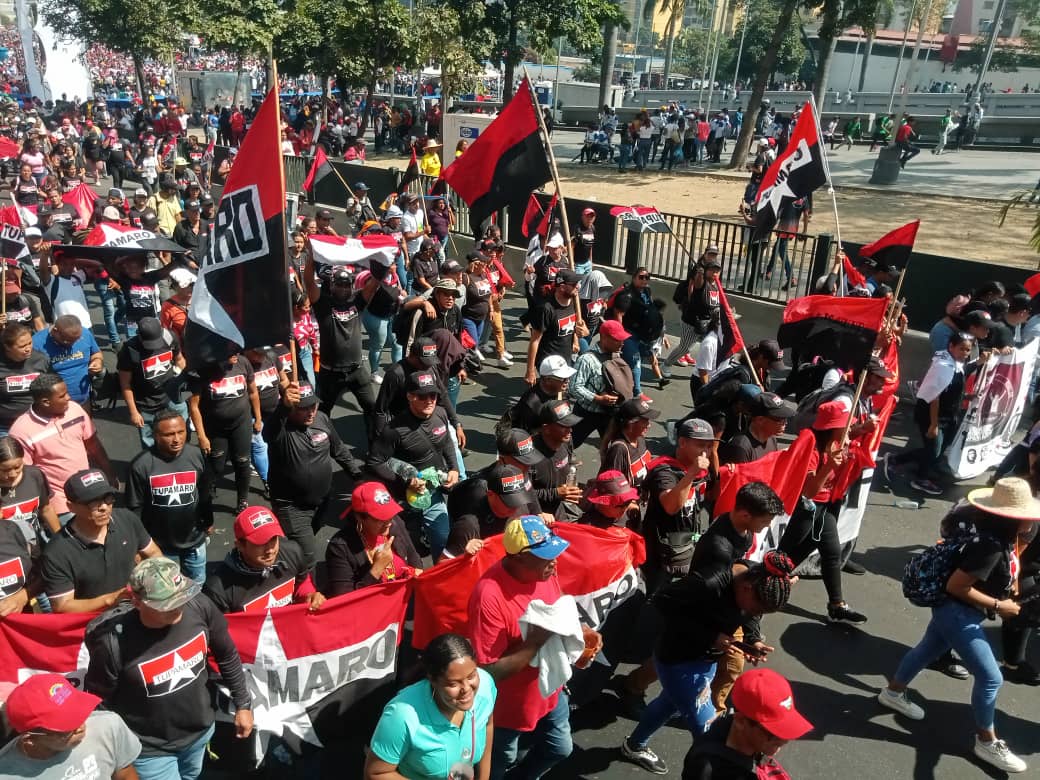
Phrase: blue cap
[529,534]
[748,393]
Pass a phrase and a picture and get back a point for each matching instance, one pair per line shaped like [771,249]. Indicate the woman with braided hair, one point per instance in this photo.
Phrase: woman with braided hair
[700,615]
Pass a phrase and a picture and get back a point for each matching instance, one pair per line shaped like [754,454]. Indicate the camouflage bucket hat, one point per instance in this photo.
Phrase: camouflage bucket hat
[159,584]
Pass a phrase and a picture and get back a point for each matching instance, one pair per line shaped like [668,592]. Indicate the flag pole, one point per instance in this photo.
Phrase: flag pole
[553,168]
[830,182]
[285,243]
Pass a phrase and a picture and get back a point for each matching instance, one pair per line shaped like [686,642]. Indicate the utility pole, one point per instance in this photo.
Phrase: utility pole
[899,62]
[998,20]
[912,70]
[740,48]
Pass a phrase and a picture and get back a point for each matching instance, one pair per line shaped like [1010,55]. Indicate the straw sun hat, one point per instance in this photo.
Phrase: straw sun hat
[1010,497]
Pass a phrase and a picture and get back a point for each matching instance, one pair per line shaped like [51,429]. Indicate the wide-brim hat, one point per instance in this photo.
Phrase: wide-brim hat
[1009,497]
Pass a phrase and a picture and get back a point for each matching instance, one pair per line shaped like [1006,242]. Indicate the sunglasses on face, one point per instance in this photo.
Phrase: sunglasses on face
[643,276]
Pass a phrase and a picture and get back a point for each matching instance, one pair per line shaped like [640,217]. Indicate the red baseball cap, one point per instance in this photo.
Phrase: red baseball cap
[257,525]
[51,702]
[372,498]
[765,697]
[614,330]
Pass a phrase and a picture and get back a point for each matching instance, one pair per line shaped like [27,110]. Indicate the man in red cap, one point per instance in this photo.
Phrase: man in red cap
[374,545]
[737,746]
[60,735]
[264,570]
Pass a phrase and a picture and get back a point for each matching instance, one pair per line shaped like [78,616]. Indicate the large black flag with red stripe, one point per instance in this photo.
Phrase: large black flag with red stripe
[793,175]
[893,248]
[842,330]
[241,298]
[508,158]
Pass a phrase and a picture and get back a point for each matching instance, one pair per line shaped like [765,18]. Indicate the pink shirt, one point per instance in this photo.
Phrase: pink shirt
[56,446]
[495,607]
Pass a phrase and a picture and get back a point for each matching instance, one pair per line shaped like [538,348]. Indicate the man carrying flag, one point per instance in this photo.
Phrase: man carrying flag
[247,246]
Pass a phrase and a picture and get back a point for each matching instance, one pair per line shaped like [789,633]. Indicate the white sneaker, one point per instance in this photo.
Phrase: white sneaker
[999,755]
[901,703]
[478,354]
[507,355]
[377,378]
[501,363]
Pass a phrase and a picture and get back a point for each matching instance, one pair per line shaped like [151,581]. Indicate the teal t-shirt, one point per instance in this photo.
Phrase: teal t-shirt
[415,736]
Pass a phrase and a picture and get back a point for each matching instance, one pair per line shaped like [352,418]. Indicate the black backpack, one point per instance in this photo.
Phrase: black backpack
[810,405]
[105,631]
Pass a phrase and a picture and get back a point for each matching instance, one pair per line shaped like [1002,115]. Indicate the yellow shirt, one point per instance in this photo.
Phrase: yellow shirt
[430,164]
[168,210]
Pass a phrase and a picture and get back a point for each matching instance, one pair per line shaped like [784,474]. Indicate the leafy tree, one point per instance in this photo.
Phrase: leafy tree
[691,47]
[443,35]
[676,11]
[1006,59]
[138,28]
[542,22]
[784,56]
[589,73]
[243,27]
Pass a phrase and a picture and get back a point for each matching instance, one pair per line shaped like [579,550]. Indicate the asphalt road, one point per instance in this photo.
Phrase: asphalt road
[835,671]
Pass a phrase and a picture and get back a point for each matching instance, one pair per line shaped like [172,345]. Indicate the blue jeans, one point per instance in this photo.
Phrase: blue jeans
[624,156]
[436,524]
[109,303]
[955,624]
[550,743]
[380,335]
[305,360]
[685,689]
[474,329]
[454,386]
[192,562]
[147,439]
[403,276]
[185,765]
[780,248]
[642,153]
[258,451]
[458,452]
[630,353]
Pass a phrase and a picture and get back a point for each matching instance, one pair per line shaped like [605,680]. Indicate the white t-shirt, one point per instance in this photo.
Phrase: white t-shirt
[413,223]
[108,747]
[939,376]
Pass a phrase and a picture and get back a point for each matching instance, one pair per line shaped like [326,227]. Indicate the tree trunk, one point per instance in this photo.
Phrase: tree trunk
[865,62]
[830,29]
[606,67]
[139,75]
[238,81]
[511,59]
[669,32]
[765,67]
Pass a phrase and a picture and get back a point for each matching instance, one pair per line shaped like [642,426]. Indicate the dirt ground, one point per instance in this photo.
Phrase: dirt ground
[954,227]
[949,226]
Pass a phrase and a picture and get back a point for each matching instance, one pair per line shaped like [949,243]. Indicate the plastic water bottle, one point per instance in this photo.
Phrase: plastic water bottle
[906,503]
[572,476]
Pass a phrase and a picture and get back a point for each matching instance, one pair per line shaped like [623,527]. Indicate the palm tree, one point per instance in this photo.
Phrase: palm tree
[1023,200]
[676,11]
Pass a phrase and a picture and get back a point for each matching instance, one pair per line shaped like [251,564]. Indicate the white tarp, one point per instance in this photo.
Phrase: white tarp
[63,72]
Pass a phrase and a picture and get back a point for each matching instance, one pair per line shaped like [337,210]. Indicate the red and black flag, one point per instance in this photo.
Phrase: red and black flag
[793,175]
[893,249]
[241,298]
[320,168]
[531,213]
[439,188]
[507,158]
[411,173]
[842,330]
[782,470]
[732,340]
[641,219]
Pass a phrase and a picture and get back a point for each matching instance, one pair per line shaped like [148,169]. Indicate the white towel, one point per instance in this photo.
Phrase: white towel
[563,648]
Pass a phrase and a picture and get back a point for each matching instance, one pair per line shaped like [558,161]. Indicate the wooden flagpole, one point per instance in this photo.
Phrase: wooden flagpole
[285,243]
[830,182]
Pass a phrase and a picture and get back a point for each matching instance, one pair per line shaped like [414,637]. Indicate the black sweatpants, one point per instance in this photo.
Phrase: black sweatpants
[234,442]
[817,530]
[358,380]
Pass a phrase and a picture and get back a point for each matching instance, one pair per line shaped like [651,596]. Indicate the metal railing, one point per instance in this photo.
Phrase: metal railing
[754,269]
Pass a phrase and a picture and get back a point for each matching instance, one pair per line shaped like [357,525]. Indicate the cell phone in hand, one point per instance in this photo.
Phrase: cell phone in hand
[747,649]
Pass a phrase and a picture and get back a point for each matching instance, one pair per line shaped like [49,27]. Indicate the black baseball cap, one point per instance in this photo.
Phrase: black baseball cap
[88,485]
[695,428]
[451,267]
[342,276]
[875,366]
[192,205]
[323,214]
[773,406]
[509,484]
[519,445]
[424,382]
[567,276]
[770,348]
[308,397]
[559,412]
[425,349]
[150,331]
[637,408]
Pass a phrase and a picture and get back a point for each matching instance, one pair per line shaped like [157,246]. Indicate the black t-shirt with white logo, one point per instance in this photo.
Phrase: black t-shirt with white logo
[17,558]
[22,309]
[151,371]
[419,443]
[302,456]
[265,376]
[223,393]
[234,590]
[339,325]
[159,682]
[172,497]
[478,299]
[22,504]
[140,296]
[15,379]
[556,324]
[549,474]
